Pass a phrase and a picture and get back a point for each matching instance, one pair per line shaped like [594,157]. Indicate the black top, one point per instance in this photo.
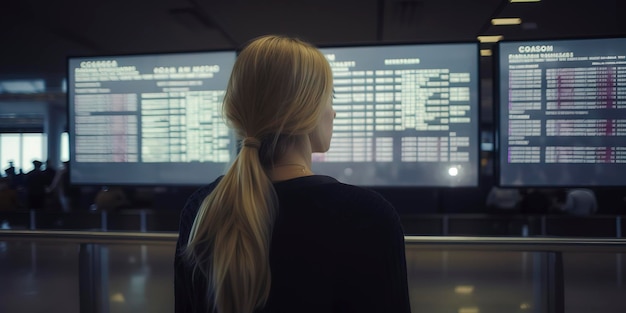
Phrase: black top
[334,248]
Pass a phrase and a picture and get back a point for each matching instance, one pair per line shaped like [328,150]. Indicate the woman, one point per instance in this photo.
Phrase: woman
[269,235]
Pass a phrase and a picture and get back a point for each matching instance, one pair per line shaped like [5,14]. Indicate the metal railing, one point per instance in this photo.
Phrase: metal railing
[426,242]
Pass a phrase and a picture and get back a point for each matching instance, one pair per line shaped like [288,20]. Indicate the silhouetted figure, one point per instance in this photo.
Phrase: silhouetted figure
[8,196]
[49,172]
[580,202]
[19,178]
[503,200]
[20,186]
[35,182]
[111,199]
[11,175]
[61,190]
[15,182]
[537,201]
[10,169]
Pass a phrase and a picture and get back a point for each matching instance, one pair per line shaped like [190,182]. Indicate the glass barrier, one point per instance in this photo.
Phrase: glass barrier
[86,271]
[491,274]
[68,271]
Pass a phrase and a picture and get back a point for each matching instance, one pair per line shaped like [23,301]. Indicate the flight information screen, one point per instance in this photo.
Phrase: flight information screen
[562,112]
[149,119]
[407,115]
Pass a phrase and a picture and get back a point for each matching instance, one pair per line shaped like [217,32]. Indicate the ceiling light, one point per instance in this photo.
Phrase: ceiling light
[118,297]
[506,21]
[485,52]
[520,1]
[495,38]
[464,289]
[469,310]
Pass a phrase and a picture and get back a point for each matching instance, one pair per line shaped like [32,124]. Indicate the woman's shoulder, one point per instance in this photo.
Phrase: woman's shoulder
[190,210]
[362,201]
[196,198]
[361,213]
[326,187]
[346,202]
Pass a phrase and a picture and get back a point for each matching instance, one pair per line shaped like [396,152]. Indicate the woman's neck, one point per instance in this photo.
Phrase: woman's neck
[281,172]
[293,164]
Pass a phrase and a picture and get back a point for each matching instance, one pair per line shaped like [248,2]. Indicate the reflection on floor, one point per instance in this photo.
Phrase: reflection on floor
[42,277]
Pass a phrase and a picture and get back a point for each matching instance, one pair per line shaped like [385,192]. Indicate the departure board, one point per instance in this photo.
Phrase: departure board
[562,112]
[149,119]
[407,115]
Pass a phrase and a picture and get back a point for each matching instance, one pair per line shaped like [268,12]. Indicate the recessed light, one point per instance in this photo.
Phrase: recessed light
[495,38]
[464,289]
[506,21]
[469,310]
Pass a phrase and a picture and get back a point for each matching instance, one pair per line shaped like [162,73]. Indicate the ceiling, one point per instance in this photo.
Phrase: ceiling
[37,36]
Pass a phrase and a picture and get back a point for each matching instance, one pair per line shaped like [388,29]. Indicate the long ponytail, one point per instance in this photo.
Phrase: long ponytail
[274,97]
[235,222]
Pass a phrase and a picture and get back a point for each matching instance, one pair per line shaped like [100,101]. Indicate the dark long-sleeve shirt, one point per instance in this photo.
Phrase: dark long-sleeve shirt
[334,248]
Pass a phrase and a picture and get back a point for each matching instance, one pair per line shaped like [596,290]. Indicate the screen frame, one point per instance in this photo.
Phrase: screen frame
[70,127]
[497,110]
[478,182]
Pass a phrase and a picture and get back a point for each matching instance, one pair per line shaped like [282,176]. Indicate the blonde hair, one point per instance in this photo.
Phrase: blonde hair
[275,96]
